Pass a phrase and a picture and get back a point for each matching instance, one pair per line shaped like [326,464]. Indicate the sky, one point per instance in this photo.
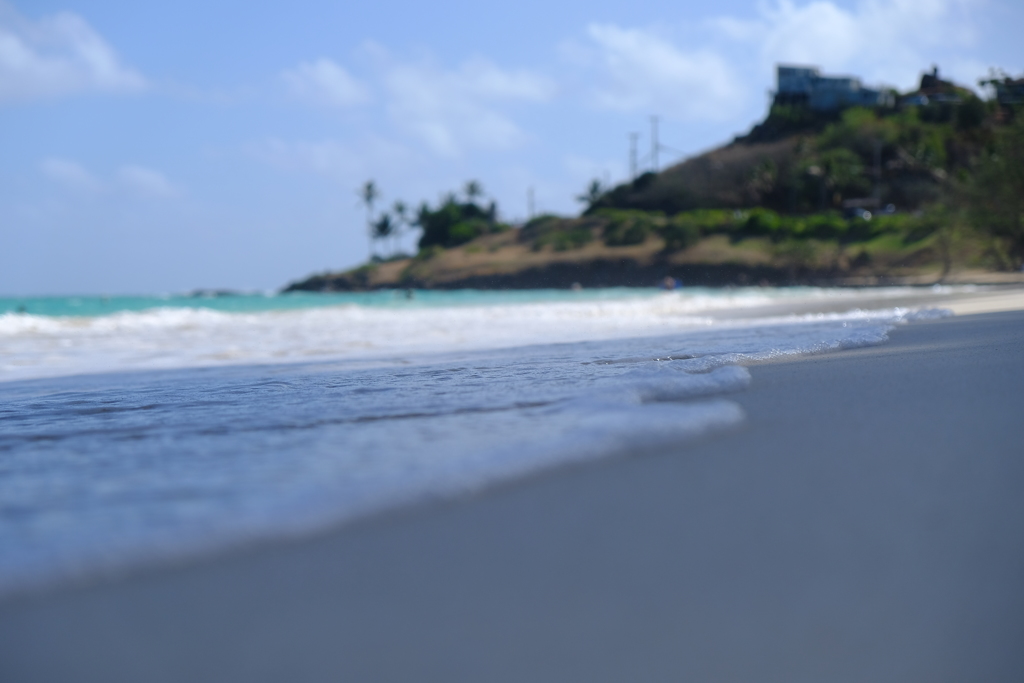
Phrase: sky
[164,147]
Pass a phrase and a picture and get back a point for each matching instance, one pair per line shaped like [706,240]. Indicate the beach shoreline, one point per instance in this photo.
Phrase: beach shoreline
[864,523]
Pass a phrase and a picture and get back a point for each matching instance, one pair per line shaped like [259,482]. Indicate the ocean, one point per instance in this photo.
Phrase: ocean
[139,430]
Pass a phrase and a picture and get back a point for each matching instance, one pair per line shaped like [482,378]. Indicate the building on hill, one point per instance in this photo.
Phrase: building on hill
[1009,91]
[934,90]
[805,86]
[931,83]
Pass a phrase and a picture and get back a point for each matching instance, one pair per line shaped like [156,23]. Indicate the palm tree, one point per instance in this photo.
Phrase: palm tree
[400,208]
[383,228]
[473,190]
[595,190]
[369,194]
[401,212]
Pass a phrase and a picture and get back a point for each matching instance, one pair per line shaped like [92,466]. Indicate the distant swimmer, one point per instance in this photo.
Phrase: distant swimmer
[670,283]
[576,287]
[410,294]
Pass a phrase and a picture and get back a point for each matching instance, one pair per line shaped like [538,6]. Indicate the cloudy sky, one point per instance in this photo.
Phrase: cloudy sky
[161,147]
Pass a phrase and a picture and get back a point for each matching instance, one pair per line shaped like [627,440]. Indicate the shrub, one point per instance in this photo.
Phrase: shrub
[826,226]
[465,231]
[454,223]
[626,228]
[762,222]
[539,226]
[682,232]
[571,239]
[626,234]
[562,238]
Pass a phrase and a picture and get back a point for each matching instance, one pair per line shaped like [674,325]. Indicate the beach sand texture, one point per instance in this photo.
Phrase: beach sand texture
[865,523]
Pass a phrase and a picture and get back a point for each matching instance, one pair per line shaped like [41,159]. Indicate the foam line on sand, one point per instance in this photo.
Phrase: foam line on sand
[995,303]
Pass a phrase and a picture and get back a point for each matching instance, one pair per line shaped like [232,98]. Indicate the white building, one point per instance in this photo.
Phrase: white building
[804,85]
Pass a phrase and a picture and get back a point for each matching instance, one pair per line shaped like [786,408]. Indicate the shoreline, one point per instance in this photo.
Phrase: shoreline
[628,272]
[863,524]
[957,298]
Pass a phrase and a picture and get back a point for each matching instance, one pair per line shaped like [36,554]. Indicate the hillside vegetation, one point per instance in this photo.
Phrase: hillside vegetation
[851,196]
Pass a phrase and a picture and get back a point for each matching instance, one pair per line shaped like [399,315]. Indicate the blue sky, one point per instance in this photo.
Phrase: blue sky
[161,147]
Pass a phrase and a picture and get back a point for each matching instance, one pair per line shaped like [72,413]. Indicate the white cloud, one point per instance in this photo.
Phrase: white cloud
[130,178]
[890,41]
[57,55]
[327,83]
[325,157]
[642,71]
[70,174]
[483,79]
[146,181]
[718,71]
[331,158]
[448,110]
[453,110]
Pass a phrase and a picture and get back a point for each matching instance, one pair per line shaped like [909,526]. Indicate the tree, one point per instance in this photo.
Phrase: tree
[369,194]
[401,210]
[595,190]
[843,172]
[996,193]
[383,228]
[401,213]
[453,223]
[473,190]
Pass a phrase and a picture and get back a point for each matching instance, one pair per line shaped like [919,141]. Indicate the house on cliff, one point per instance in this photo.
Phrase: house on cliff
[806,86]
[935,90]
[1009,91]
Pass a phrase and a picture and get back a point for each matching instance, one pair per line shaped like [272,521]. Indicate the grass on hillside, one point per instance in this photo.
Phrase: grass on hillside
[825,244]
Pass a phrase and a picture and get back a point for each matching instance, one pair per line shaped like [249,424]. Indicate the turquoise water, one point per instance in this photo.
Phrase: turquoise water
[90,306]
[51,336]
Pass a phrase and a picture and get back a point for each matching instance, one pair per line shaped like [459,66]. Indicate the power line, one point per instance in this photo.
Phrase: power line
[673,150]
[636,162]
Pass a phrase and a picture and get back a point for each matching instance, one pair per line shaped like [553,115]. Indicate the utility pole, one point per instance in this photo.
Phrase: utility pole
[654,143]
[632,155]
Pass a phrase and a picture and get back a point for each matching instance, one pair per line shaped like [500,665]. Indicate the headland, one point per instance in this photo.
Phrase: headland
[871,187]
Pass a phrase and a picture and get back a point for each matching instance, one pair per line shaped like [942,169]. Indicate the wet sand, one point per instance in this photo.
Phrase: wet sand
[866,523]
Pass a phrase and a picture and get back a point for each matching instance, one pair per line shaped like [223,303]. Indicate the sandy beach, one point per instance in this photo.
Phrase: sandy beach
[865,523]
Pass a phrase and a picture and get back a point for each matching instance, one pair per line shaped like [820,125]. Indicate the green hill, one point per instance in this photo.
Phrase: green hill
[917,189]
[801,164]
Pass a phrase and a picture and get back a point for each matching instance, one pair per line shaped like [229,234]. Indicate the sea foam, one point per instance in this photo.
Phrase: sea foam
[176,337]
[219,429]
